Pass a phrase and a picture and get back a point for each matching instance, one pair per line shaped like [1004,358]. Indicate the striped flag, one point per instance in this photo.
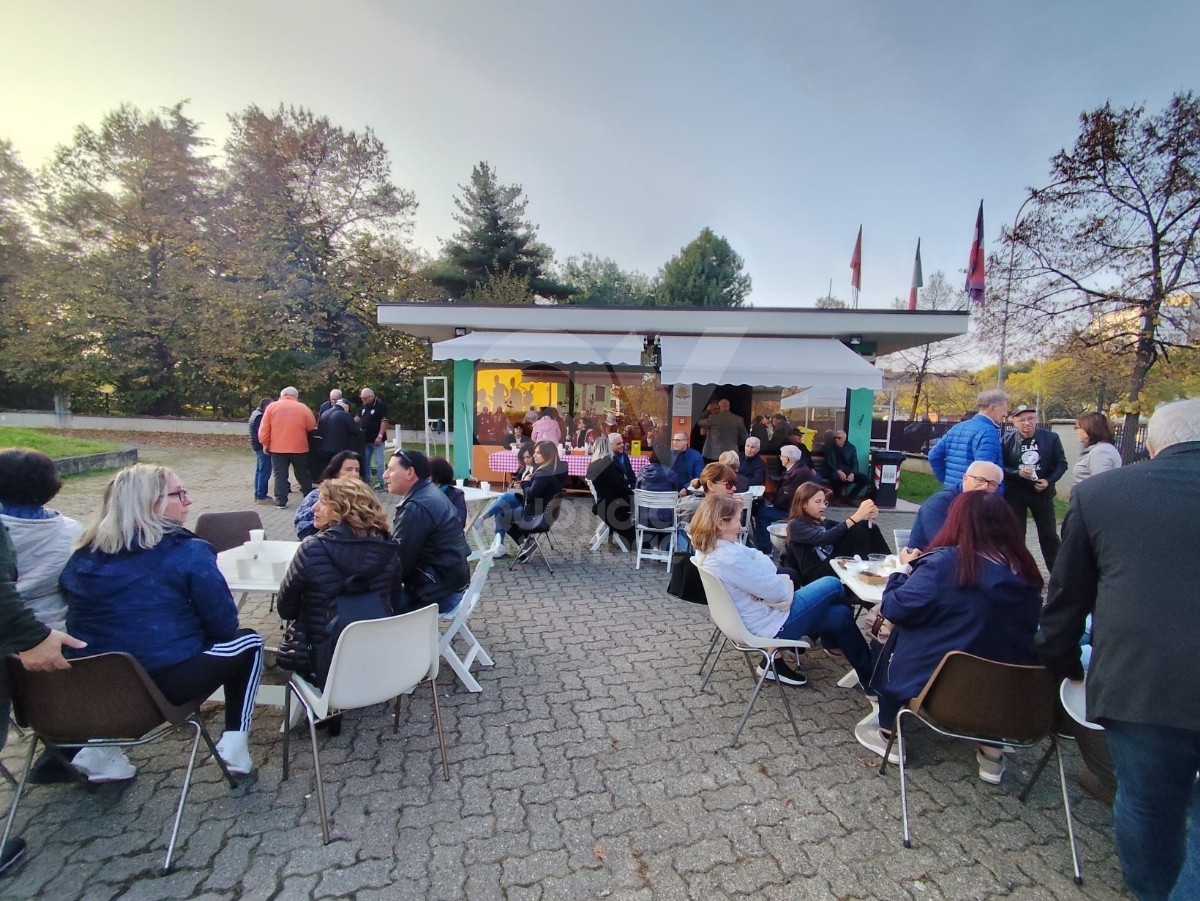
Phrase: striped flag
[856,263]
[975,276]
[918,279]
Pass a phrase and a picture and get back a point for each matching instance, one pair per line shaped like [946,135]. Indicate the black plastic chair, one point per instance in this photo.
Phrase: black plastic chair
[539,529]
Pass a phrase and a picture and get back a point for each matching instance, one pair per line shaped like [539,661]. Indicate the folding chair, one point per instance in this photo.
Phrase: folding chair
[227,530]
[987,702]
[375,660]
[655,500]
[458,624]
[107,700]
[542,528]
[726,618]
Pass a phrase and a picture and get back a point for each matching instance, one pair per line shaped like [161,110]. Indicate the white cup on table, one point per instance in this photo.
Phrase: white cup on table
[257,536]
[460,482]
[485,486]
[243,567]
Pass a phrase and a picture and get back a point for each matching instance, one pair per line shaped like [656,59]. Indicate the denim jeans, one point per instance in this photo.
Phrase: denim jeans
[1157,794]
[816,610]
[262,474]
[373,463]
[503,509]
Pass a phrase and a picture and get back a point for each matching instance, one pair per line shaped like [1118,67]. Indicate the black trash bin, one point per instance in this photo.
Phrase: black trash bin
[885,475]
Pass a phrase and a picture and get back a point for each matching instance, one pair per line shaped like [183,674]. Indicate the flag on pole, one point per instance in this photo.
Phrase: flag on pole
[918,279]
[975,277]
[856,263]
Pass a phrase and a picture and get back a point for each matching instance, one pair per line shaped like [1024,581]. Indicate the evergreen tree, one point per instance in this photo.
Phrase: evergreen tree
[495,238]
[705,273]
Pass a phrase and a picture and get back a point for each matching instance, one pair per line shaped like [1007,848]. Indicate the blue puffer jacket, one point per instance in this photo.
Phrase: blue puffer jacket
[162,605]
[972,439]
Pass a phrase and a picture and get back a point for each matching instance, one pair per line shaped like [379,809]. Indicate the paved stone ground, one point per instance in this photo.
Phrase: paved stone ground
[589,767]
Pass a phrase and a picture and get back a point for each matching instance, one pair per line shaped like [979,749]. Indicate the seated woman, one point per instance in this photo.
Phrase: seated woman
[813,540]
[731,459]
[614,500]
[769,604]
[715,479]
[342,465]
[549,478]
[977,589]
[511,500]
[352,540]
[441,473]
[142,584]
[656,477]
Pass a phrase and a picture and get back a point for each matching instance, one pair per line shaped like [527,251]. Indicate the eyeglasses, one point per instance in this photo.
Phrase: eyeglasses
[731,486]
[181,494]
[991,483]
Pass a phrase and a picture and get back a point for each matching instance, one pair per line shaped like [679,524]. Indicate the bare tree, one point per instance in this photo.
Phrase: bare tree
[919,363]
[1111,245]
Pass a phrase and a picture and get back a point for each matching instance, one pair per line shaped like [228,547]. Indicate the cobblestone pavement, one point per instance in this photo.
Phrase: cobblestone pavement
[589,767]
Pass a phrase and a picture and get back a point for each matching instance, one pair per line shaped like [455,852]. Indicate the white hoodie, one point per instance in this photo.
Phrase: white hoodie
[42,547]
[753,585]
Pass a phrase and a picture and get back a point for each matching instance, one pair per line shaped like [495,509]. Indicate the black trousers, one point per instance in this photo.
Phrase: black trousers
[1041,504]
[235,665]
[861,484]
[299,465]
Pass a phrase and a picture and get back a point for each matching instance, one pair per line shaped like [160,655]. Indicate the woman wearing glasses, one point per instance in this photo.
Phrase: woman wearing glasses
[142,584]
[814,540]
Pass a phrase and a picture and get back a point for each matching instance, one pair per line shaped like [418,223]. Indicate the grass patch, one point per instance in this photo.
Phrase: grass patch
[916,487]
[53,445]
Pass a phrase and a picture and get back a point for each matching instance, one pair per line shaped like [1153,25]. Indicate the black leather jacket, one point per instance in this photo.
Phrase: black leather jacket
[433,549]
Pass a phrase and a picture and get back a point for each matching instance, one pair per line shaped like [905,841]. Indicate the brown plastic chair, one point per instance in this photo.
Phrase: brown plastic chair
[107,699]
[983,701]
[227,530]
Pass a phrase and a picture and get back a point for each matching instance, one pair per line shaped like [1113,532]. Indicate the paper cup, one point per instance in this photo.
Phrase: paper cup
[243,567]
[279,569]
[460,482]
[257,536]
[485,486]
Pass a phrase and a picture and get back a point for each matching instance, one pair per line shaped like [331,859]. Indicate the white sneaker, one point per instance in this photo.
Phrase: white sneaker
[501,551]
[104,763]
[234,748]
[869,736]
[991,769]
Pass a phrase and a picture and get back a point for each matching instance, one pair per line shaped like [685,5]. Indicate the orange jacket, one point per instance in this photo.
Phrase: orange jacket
[285,427]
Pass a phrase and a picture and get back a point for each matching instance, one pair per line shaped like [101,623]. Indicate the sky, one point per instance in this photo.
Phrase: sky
[632,125]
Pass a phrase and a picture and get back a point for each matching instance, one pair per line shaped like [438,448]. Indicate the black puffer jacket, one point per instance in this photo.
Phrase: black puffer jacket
[433,549]
[323,563]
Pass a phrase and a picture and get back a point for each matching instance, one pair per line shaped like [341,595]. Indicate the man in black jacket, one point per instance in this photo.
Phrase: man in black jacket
[1033,462]
[433,548]
[841,468]
[262,459]
[1128,559]
[339,432]
[38,647]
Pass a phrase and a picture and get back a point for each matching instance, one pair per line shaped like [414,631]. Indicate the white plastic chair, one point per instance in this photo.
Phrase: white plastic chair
[726,618]
[655,500]
[901,536]
[375,661]
[747,499]
[458,627]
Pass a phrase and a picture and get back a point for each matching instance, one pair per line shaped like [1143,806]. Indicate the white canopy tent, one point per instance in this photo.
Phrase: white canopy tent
[813,363]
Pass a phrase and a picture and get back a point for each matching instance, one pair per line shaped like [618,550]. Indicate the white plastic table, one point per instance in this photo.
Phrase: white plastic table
[473,495]
[266,565]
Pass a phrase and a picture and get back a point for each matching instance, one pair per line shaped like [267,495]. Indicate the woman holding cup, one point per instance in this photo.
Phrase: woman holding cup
[814,540]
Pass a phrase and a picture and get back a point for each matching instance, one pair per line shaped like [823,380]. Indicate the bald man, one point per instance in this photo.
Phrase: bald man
[686,462]
[980,476]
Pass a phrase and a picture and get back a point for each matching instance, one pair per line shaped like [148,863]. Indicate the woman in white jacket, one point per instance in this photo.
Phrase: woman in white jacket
[767,601]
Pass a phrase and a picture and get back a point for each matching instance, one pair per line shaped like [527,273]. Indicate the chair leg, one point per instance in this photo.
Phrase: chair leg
[713,669]
[396,714]
[197,725]
[787,705]
[1037,772]
[12,810]
[287,721]
[1062,781]
[899,736]
[437,718]
[312,734]
[712,643]
[9,777]
[212,749]
[753,698]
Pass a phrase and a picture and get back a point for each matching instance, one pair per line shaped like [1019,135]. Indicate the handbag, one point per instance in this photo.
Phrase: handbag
[295,650]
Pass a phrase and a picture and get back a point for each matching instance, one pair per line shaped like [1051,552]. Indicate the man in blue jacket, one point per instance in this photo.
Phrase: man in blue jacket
[977,438]
[687,464]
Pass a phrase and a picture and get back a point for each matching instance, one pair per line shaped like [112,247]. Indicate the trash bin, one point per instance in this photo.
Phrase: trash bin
[885,466]
[806,436]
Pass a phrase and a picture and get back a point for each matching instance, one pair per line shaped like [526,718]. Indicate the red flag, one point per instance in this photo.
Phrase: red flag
[918,280]
[975,276]
[856,263]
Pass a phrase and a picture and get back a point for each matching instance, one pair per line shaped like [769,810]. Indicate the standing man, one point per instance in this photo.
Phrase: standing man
[334,396]
[841,468]
[432,547]
[779,432]
[372,419]
[977,438]
[621,459]
[686,463]
[262,460]
[284,435]
[726,431]
[39,649]
[1127,541]
[339,432]
[1033,462]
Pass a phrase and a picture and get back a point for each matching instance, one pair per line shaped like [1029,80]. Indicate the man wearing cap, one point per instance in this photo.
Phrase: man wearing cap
[780,508]
[1033,462]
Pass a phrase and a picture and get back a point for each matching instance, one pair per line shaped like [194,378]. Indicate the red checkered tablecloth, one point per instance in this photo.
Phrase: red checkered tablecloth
[577,464]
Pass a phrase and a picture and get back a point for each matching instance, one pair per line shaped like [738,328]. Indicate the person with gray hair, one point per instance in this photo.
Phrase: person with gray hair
[751,466]
[139,583]
[1126,542]
[977,438]
[283,432]
[980,476]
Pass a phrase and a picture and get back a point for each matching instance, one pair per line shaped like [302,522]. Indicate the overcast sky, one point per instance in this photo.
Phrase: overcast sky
[632,125]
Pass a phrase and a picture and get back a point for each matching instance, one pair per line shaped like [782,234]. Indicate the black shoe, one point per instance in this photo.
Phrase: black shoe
[282,506]
[49,769]
[787,675]
[12,854]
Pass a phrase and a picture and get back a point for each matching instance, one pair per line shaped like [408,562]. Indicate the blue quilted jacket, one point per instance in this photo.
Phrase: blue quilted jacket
[973,439]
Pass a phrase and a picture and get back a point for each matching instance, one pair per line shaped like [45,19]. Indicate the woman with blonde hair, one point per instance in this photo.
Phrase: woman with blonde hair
[731,459]
[770,605]
[142,584]
[352,551]
[614,498]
